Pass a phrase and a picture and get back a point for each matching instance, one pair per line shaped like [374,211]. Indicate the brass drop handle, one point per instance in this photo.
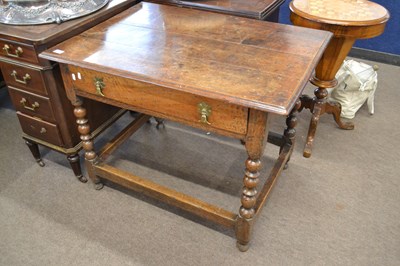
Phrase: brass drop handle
[205,112]
[25,79]
[18,51]
[34,105]
[43,130]
[98,82]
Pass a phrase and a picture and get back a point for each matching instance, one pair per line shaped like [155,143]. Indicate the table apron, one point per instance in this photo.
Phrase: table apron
[222,117]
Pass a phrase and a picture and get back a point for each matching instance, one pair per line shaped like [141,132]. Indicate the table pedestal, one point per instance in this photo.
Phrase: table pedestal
[348,21]
[324,78]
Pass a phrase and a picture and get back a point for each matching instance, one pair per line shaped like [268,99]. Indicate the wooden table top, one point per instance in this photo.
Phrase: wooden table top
[251,63]
[39,34]
[257,9]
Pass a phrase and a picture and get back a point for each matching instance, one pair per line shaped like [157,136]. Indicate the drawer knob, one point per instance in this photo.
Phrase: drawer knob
[98,82]
[204,111]
[26,106]
[18,52]
[43,130]
[25,79]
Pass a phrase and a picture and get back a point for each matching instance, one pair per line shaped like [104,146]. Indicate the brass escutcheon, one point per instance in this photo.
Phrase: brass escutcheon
[204,111]
[98,82]
[18,51]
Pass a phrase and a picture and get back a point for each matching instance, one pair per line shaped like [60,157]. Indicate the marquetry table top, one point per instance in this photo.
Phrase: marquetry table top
[346,11]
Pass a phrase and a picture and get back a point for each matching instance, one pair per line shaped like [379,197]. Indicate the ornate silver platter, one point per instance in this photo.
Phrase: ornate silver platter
[30,12]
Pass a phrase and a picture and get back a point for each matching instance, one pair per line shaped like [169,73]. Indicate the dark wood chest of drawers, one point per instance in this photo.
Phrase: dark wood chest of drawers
[1,81]
[36,88]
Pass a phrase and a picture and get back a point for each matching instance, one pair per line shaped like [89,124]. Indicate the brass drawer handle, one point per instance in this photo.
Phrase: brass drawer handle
[18,51]
[25,79]
[43,130]
[99,83]
[34,105]
[204,111]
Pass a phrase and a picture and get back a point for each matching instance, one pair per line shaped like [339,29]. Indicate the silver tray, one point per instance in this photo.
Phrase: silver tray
[32,12]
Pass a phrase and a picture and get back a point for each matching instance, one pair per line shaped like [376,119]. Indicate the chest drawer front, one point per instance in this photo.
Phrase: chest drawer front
[24,78]
[40,129]
[32,104]
[162,102]
[18,51]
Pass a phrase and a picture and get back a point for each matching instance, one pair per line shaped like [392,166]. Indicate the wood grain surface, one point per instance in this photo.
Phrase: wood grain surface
[260,65]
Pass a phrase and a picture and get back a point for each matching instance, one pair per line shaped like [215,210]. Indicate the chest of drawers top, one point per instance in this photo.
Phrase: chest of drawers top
[247,62]
[23,43]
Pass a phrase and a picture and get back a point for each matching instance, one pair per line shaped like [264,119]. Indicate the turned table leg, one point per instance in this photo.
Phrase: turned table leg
[91,157]
[255,143]
[34,148]
[289,133]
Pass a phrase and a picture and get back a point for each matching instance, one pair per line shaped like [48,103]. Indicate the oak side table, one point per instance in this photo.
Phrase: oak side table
[192,67]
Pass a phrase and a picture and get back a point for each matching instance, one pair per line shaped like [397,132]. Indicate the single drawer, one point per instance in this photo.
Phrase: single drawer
[25,78]
[18,51]
[40,129]
[32,104]
[158,101]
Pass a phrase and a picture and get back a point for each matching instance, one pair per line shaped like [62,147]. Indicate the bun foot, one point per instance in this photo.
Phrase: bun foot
[98,186]
[82,178]
[242,247]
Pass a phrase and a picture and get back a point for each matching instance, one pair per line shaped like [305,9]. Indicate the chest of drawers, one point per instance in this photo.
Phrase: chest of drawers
[1,81]
[36,88]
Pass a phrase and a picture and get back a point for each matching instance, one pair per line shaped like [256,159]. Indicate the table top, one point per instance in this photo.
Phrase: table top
[258,9]
[247,62]
[346,12]
[40,34]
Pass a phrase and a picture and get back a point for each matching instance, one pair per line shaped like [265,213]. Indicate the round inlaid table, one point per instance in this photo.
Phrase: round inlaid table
[348,20]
